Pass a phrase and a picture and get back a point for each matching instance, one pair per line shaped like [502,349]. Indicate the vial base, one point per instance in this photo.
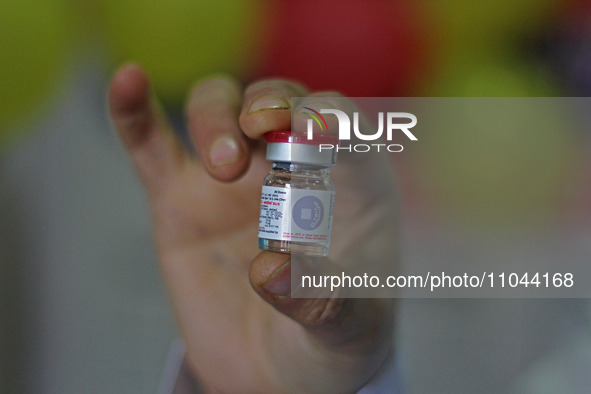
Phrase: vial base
[305,248]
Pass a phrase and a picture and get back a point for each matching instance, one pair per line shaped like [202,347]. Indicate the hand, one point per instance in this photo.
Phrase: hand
[205,216]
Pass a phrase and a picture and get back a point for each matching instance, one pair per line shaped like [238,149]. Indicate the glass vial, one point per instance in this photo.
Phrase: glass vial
[297,199]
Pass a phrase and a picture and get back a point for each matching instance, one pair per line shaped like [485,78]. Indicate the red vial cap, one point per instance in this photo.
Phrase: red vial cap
[288,147]
[300,138]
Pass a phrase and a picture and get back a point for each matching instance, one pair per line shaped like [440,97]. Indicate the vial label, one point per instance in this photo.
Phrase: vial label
[296,214]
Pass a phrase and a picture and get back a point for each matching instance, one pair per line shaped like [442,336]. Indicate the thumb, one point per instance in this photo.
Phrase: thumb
[330,319]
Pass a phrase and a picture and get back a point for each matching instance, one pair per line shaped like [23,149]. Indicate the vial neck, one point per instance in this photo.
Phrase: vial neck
[287,166]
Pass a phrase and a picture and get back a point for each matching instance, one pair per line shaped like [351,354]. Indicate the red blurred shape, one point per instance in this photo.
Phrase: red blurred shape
[360,48]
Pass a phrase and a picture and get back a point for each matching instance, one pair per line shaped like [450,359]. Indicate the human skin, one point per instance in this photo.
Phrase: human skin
[243,331]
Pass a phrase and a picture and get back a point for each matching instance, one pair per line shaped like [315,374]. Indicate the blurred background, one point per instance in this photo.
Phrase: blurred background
[82,307]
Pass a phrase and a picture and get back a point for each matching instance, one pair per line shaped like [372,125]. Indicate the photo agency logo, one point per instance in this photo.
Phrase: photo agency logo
[392,126]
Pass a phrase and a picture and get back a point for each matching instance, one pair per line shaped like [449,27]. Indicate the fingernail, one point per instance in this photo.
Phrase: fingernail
[224,150]
[279,283]
[268,102]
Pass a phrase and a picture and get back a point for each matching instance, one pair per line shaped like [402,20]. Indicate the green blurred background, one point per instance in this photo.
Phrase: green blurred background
[83,309]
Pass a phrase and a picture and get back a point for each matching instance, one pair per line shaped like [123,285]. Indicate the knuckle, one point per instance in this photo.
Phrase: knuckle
[322,312]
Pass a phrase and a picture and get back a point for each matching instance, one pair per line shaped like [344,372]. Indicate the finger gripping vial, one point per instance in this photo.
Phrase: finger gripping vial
[297,198]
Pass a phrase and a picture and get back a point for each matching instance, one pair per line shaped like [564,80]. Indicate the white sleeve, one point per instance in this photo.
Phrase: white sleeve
[178,379]
[386,379]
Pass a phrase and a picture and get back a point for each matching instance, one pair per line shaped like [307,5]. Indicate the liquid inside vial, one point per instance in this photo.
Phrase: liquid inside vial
[296,210]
